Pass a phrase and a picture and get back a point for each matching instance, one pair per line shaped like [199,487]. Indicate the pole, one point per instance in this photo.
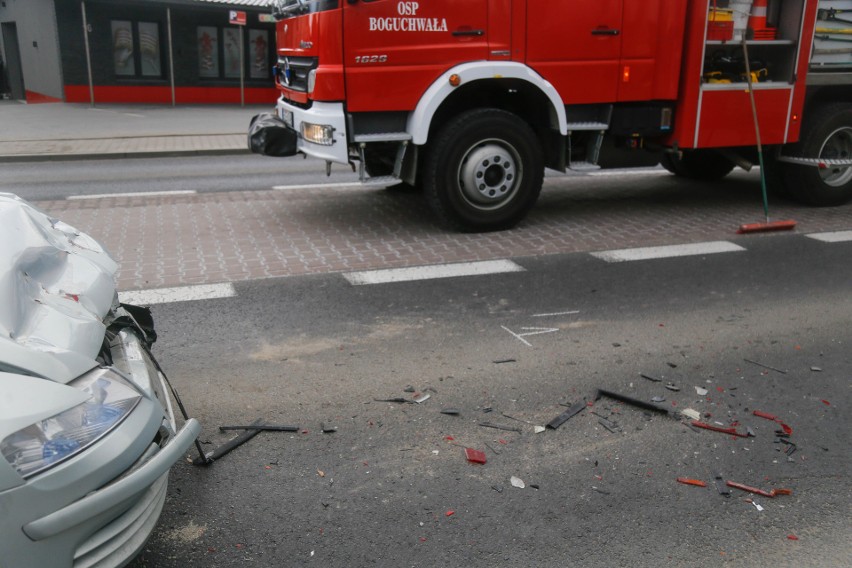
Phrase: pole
[88,54]
[242,71]
[171,53]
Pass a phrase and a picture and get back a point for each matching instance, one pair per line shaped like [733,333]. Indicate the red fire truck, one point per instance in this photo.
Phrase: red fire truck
[470,100]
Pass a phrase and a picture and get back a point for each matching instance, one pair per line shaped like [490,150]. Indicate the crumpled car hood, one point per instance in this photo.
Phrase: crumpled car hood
[56,286]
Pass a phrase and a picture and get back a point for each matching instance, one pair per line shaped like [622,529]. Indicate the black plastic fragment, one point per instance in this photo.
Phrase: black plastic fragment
[650,378]
[562,418]
[225,448]
[633,401]
[500,427]
[721,487]
[451,411]
[262,427]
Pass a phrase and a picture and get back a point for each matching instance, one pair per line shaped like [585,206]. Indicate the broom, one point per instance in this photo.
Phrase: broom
[767,225]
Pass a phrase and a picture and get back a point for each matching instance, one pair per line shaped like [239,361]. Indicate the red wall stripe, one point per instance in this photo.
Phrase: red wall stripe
[163,95]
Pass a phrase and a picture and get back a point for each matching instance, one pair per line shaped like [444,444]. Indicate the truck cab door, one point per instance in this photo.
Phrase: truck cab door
[393,50]
[576,46]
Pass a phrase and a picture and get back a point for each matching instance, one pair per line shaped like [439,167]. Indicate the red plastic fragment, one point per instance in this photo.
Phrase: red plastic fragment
[449,438]
[787,429]
[450,513]
[474,456]
[758,491]
[792,537]
[687,481]
[766,415]
[731,431]
[825,402]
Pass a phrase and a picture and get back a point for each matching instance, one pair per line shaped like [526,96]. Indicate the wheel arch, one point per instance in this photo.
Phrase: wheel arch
[509,86]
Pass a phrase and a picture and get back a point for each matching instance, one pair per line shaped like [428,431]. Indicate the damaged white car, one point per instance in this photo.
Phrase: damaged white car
[87,429]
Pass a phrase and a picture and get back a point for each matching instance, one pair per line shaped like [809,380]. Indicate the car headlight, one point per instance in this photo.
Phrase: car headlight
[318,133]
[48,442]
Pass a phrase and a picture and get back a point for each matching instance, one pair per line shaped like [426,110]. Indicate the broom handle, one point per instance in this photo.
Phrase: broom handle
[756,130]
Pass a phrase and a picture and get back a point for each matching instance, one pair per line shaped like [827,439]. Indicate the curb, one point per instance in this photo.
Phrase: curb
[11,158]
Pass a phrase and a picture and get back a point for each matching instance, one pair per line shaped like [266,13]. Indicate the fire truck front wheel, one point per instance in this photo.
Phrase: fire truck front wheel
[484,171]
[827,135]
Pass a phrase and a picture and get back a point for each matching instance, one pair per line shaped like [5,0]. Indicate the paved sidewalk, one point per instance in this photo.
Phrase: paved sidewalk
[77,131]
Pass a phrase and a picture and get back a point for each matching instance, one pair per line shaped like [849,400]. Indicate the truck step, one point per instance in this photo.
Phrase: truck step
[383,137]
[583,167]
[587,126]
[816,162]
[381,181]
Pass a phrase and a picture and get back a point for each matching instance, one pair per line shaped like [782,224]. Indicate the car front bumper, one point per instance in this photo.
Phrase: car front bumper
[320,114]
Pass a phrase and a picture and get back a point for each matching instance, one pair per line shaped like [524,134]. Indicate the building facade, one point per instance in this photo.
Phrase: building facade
[138,51]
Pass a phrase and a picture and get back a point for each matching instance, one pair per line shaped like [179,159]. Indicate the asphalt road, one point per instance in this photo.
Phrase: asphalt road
[392,487]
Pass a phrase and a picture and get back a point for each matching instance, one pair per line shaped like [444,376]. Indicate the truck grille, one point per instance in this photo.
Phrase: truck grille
[293,72]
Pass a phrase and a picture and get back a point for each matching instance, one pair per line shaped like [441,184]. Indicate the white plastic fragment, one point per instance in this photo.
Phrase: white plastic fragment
[700,391]
[756,506]
[539,429]
[517,482]
[436,452]
[691,413]
[422,398]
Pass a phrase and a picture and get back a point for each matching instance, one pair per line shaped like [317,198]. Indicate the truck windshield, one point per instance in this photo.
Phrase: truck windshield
[283,9]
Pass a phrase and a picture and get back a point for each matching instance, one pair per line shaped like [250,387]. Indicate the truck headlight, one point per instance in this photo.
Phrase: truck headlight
[318,133]
[48,442]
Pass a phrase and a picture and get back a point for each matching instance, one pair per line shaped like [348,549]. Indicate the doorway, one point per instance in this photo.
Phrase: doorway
[13,60]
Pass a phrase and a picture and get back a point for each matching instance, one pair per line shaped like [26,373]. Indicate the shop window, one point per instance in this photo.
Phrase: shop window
[136,49]
[221,59]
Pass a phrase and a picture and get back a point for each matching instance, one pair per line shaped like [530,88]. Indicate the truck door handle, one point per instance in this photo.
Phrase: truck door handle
[469,33]
[605,31]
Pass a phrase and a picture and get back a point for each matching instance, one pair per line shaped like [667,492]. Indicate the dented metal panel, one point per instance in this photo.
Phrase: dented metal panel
[56,286]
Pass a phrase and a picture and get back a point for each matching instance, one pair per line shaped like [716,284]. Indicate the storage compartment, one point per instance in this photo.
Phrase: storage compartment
[833,37]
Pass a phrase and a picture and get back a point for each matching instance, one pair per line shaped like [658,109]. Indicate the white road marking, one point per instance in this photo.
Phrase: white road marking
[556,314]
[136,194]
[531,331]
[832,237]
[181,294]
[317,185]
[432,272]
[647,253]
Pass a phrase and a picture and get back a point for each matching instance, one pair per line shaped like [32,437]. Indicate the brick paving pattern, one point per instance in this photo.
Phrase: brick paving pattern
[224,237]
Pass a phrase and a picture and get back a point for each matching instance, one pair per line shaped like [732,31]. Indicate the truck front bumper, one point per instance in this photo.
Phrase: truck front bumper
[320,130]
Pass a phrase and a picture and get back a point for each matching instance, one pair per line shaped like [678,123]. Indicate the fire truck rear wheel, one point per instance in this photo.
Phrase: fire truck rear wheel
[705,165]
[826,134]
[484,171]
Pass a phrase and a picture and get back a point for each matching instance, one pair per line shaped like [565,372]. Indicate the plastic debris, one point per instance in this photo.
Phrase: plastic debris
[264,427]
[816,370]
[451,411]
[497,488]
[658,399]
[672,387]
[397,399]
[757,491]
[410,389]
[327,428]
[500,427]
[609,425]
[700,391]
[562,418]
[422,398]
[691,413]
[732,431]
[792,537]
[688,481]
[599,490]
[765,366]
[517,482]
[501,361]
[721,487]
[450,513]
[650,377]
[756,506]
[475,456]
[208,458]
[539,429]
